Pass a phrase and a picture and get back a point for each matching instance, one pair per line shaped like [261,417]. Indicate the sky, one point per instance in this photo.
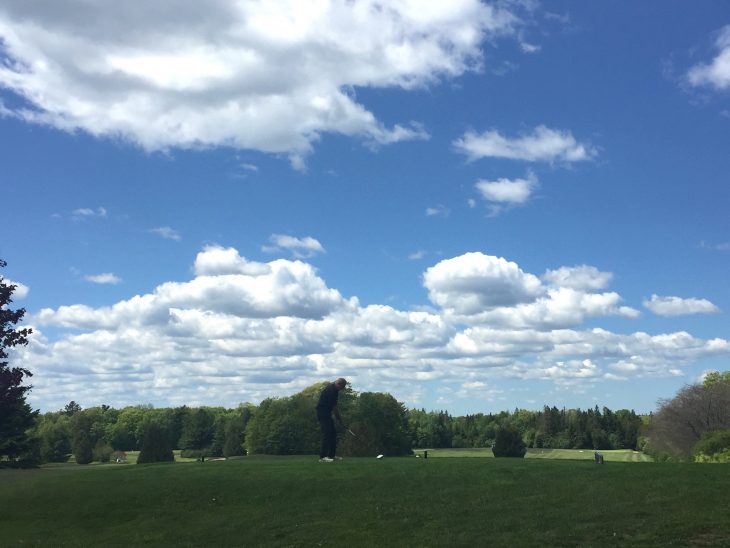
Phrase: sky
[473,206]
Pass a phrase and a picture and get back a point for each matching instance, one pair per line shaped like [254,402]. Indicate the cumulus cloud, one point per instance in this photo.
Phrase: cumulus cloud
[21,290]
[506,192]
[242,330]
[299,247]
[583,278]
[542,145]
[677,306]
[106,278]
[715,74]
[480,288]
[475,282]
[251,75]
[166,232]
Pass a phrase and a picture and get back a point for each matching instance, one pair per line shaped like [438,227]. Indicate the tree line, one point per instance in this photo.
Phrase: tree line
[694,425]
[288,426]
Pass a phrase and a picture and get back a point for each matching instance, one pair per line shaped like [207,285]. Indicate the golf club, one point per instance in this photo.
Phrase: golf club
[351,433]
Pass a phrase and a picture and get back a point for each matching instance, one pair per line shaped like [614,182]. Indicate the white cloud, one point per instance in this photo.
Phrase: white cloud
[542,145]
[166,232]
[510,191]
[438,211]
[299,247]
[269,76]
[242,330]
[716,74]
[583,278]
[677,306]
[475,282]
[104,279]
[88,213]
[21,290]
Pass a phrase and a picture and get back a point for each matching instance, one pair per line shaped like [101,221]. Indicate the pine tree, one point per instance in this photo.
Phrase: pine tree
[16,415]
[155,445]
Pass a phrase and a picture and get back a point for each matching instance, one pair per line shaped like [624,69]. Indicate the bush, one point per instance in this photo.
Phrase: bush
[508,443]
[83,452]
[195,453]
[711,444]
[102,452]
[156,446]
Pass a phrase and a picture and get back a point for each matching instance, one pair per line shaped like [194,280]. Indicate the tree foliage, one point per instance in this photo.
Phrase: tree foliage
[16,415]
[680,422]
[155,445]
[508,443]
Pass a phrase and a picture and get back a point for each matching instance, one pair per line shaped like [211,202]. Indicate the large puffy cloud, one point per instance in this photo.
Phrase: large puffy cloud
[242,330]
[270,76]
[716,74]
[474,282]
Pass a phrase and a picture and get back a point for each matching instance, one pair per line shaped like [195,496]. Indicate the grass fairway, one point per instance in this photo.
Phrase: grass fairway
[613,455]
[367,502]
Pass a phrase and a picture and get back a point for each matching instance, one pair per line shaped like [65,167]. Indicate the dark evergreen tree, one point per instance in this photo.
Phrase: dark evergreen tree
[156,445]
[16,415]
[508,443]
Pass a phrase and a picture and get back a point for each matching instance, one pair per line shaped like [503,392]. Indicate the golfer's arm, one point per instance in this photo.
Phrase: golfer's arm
[336,411]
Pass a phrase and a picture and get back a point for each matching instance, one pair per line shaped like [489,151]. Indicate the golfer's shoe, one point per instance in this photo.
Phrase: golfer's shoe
[326,459]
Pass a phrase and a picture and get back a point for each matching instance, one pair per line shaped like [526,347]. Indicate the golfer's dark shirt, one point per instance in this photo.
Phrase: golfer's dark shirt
[328,398]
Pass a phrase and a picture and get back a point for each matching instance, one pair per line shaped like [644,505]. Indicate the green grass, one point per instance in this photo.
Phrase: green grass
[296,501]
[615,455]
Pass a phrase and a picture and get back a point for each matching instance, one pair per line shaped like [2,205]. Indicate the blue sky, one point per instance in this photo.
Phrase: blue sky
[472,206]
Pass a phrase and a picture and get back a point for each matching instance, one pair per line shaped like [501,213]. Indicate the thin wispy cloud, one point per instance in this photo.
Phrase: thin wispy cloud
[88,213]
[166,232]
[299,247]
[677,306]
[106,278]
[541,145]
[438,211]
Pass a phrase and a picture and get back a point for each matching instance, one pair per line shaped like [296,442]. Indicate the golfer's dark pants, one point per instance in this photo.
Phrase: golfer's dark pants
[329,434]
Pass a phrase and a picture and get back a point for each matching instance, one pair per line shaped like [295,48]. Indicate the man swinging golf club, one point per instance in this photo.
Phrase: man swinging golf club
[326,407]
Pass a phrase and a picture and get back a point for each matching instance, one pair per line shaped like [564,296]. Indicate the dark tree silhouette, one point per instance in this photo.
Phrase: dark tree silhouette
[16,416]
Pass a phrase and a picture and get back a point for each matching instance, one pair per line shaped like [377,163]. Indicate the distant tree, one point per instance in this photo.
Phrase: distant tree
[508,443]
[381,425]
[680,422]
[156,445]
[198,429]
[54,432]
[71,408]
[16,415]
[235,432]
[82,444]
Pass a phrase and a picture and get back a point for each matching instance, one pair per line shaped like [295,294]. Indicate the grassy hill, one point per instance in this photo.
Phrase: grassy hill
[295,501]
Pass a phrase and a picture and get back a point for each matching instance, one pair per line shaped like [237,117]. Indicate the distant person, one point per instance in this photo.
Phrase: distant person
[326,407]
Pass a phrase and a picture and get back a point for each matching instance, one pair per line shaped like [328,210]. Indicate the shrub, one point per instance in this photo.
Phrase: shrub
[156,446]
[102,452]
[711,444]
[195,453]
[82,450]
[508,443]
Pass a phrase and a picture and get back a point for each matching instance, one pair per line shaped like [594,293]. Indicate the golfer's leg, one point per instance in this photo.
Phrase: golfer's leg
[324,427]
[333,439]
